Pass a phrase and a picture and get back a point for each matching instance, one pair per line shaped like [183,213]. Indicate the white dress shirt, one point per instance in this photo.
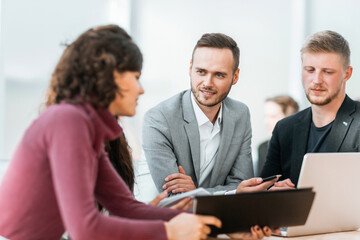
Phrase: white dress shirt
[209,142]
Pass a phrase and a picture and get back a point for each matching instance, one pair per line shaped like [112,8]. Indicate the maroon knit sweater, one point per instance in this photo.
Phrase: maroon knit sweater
[58,171]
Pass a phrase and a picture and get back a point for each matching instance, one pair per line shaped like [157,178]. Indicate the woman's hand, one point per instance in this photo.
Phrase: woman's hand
[185,204]
[283,185]
[256,233]
[190,227]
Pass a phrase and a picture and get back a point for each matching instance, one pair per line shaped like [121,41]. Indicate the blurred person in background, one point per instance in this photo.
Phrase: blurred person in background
[276,108]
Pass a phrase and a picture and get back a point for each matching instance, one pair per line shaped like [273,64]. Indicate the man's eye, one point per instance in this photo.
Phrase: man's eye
[310,70]
[220,75]
[328,72]
[200,71]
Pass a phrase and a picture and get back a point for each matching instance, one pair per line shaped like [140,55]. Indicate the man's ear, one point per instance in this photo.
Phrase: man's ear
[348,73]
[236,76]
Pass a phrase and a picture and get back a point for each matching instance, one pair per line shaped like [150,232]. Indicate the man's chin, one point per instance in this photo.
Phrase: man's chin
[320,101]
[208,103]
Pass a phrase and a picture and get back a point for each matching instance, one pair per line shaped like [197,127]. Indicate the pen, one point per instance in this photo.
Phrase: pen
[271,177]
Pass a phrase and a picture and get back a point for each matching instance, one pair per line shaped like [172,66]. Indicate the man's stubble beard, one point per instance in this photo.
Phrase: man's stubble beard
[325,101]
[217,101]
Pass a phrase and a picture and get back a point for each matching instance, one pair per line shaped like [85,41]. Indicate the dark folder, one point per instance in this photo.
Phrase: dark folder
[269,208]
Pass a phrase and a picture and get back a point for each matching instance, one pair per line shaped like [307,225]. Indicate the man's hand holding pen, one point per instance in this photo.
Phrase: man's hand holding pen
[257,184]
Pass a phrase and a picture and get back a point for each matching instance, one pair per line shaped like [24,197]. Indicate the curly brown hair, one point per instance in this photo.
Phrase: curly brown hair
[119,153]
[85,70]
[85,73]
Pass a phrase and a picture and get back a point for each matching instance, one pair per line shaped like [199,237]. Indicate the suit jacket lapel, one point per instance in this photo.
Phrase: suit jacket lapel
[341,125]
[192,132]
[300,139]
[227,132]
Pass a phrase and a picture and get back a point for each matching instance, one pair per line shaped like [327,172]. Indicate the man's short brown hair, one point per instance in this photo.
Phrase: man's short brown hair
[287,104]
[328,42]
[219,40]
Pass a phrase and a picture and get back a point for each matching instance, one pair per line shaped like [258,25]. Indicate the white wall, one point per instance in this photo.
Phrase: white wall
[269,34]
[32,36]
[2,91]
[343,17]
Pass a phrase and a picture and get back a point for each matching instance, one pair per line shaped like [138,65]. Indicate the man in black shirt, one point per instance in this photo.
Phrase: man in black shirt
[331,124]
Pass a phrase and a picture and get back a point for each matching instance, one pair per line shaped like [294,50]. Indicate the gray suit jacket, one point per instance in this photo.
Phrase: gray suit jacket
[171,138]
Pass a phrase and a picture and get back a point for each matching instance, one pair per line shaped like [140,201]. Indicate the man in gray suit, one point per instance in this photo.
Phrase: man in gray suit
[201,137]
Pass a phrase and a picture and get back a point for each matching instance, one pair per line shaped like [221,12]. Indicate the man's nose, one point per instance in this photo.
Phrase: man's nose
[208,81]
[318,78]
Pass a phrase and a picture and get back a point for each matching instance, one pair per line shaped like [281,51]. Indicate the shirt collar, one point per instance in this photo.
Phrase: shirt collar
[200,115]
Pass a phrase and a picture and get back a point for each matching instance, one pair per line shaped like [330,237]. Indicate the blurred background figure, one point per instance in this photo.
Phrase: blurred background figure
[276,108]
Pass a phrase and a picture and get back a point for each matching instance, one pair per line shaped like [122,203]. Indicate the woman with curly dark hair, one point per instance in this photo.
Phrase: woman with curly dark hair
[60,168]
[118,149]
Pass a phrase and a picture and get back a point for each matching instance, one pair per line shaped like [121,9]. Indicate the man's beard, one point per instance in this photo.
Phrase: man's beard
[326,100]
[215,102]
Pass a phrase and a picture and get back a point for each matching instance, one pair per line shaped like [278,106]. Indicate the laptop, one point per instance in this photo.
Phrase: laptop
[336,207]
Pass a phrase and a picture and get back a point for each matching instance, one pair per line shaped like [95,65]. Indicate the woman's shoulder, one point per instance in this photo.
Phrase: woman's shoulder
[67,109]
[65,112]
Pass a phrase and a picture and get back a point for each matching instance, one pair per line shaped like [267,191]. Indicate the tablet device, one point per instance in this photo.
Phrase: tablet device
[269,208]
[174,199]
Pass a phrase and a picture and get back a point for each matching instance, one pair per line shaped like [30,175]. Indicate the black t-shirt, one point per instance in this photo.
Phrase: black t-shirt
[317,140]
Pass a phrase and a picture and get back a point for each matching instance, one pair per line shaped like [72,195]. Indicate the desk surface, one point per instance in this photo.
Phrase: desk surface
[351,235]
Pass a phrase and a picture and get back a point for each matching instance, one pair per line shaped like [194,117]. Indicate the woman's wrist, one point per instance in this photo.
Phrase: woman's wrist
[168,230]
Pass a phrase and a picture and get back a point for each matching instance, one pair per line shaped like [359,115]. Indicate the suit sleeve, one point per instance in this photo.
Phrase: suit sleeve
[242,167]
[158,147]
[74,169]
[272,164]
